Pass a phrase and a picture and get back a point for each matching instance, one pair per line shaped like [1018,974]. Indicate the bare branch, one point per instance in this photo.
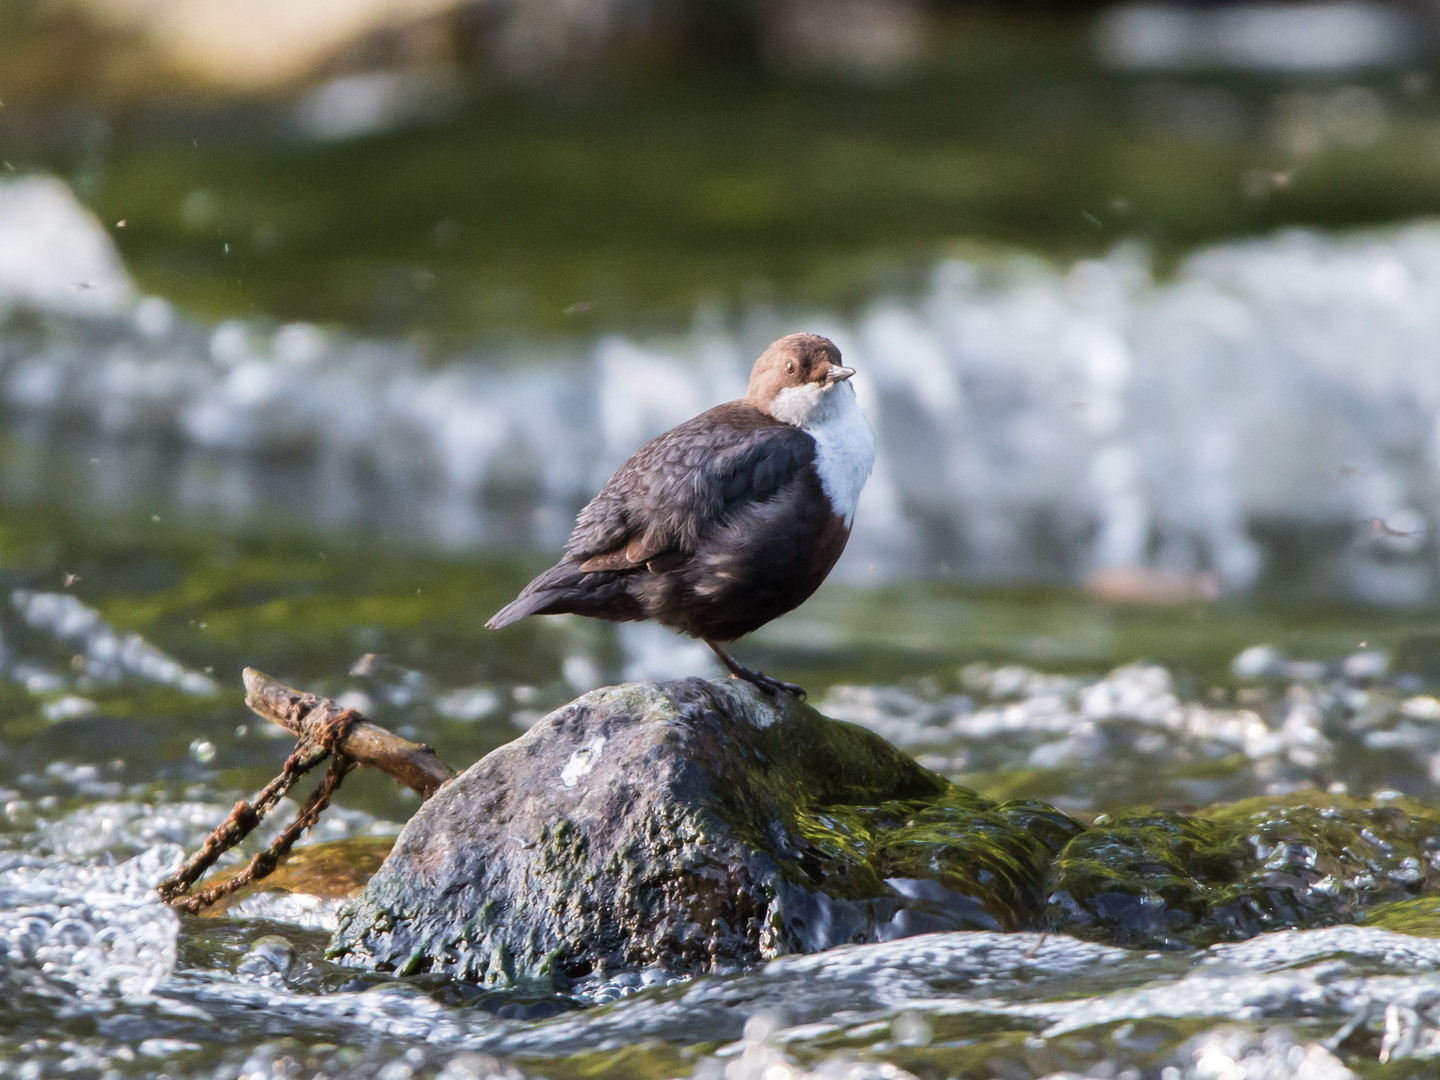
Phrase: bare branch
[412,764]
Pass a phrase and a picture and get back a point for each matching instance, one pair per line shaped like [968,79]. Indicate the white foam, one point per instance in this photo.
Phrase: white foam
[99,930]
[1318,729]
[655,652]
[54,254]
[109,654]
[1319,36]
[1030,421]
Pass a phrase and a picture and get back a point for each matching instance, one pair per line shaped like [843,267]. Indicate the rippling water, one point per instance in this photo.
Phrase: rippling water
[126,756]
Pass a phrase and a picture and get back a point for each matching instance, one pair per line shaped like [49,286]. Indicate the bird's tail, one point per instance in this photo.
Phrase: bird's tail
[522,605]
[536,598]
[566,589]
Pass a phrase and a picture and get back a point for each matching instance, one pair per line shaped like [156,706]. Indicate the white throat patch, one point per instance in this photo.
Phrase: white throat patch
[844,443]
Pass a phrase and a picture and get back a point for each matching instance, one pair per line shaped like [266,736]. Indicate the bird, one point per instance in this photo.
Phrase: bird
[727,521]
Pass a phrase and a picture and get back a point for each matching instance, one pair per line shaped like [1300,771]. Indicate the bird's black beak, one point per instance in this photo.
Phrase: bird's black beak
[838,373]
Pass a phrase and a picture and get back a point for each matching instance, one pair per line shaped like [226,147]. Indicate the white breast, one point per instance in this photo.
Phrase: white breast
[844,443]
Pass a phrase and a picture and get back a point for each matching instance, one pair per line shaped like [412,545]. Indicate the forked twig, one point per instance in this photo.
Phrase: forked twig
[412,764]
[262,863]
[324,729]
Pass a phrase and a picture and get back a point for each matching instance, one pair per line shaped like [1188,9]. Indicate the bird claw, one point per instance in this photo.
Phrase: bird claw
[774,686]
[755,678]
[794,689]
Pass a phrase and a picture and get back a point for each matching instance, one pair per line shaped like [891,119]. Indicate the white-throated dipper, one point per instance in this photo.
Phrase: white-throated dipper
[727,521]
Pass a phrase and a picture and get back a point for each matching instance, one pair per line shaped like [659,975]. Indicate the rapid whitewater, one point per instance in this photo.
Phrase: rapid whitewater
[1271,409]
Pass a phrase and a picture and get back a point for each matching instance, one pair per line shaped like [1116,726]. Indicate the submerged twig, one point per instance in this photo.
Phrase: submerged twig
[241,822]
[324,729]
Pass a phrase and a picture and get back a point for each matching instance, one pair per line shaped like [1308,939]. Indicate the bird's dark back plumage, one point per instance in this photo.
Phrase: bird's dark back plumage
[676,494]
[681,483]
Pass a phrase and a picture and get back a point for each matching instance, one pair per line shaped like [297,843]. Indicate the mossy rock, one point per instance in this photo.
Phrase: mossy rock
[697,825]
[1156,878]
[702,826]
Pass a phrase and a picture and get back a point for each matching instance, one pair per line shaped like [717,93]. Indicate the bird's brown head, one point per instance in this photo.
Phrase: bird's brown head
[796,376]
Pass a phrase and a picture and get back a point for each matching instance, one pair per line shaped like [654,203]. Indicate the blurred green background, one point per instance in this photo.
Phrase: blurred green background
[460,169]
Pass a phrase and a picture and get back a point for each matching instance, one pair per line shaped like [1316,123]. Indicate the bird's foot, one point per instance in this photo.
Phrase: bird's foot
[765,682]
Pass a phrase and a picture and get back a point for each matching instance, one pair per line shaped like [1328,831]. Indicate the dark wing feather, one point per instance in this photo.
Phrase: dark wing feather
[679,486]
[675,491]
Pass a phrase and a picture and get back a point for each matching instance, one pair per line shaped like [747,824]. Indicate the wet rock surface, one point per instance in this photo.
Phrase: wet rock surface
[1164,879]
[700,826]
[695,825]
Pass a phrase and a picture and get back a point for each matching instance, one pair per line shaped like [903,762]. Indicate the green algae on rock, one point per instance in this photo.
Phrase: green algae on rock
[1418,918]
[694,825]
[1162,879]
[699,826]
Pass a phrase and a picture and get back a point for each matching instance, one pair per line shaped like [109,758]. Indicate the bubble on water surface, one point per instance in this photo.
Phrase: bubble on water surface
[98,930]
[911,1029]
[1238,1052]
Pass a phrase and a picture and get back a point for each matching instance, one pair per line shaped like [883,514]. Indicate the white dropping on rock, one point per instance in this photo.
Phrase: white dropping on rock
[582,761]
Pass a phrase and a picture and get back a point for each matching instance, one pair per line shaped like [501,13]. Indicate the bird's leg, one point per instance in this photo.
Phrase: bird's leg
[764,682]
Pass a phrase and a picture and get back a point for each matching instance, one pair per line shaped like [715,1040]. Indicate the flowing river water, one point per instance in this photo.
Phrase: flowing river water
[184,497]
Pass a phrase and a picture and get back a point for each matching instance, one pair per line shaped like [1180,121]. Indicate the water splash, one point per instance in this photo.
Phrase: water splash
[109,654]
[1294,725]
[99,930]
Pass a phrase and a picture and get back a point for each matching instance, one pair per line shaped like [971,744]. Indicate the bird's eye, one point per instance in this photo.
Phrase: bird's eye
[789,367]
